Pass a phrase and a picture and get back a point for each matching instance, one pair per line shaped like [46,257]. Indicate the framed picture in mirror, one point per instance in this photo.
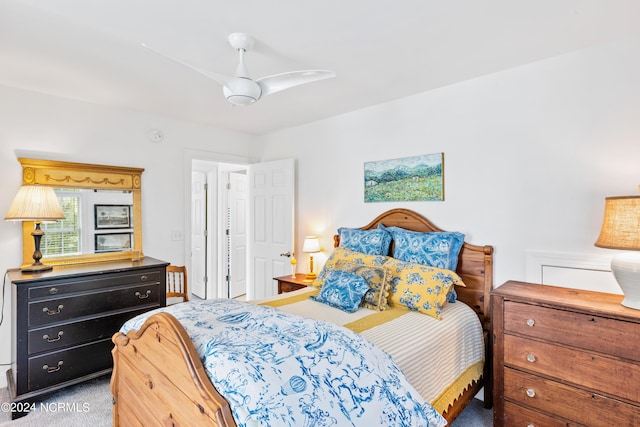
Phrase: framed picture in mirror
[112,216]
[113,242]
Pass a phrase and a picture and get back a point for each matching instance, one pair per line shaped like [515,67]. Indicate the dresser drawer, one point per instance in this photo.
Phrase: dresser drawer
[54,288]
[581,367]
[574,329]
[64,365]
[74,333]
[564,401]
[44,312]
[519,416]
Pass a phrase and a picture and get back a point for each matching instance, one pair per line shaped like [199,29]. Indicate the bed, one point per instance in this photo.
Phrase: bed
[159,377]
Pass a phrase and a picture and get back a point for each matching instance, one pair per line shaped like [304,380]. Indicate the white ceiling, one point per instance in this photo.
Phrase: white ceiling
[381,50]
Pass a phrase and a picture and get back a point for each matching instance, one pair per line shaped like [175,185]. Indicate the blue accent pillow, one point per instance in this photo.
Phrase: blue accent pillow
[342,290]
[436,249]
[452,295]
[370,242]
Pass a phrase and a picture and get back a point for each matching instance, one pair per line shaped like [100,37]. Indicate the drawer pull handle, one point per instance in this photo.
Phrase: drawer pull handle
[50,369]
[143,278]
[531,425]
[531,358]
[531,322]
[53,291]
[531,392]
[48,339]
[52,312]
[145,296]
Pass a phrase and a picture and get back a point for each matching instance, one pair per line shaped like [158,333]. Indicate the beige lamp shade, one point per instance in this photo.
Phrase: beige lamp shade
[35,203]
[621,224]
[311,244]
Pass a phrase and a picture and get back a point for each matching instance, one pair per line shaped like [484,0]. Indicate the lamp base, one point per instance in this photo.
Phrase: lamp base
[310,277]
[626,270]
[36,268]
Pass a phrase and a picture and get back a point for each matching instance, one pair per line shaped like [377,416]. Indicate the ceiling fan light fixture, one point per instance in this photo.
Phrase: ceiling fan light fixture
[241,99]
[242,91]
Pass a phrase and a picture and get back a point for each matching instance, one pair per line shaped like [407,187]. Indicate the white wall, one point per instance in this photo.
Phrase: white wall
[530,154]
[43,126]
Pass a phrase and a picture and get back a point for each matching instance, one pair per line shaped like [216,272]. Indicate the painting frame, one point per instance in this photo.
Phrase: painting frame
[112,242]
[110,217]
[406,179]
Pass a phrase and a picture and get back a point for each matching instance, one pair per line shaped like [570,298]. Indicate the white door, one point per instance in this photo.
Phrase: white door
[271,205]
[198,273]
[237,234]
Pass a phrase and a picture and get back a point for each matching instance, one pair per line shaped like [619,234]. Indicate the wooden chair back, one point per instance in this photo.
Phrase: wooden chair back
[177,283]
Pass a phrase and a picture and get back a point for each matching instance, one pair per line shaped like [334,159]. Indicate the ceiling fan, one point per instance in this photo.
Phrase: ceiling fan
[242,89]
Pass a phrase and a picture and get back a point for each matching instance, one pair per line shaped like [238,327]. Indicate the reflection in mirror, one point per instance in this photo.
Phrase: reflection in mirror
[103,212]
[95,221]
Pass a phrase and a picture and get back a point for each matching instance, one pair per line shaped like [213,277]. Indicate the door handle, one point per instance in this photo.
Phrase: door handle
[287,254]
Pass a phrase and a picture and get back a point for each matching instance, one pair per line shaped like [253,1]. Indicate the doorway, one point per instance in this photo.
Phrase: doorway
[218,229]
[241,219]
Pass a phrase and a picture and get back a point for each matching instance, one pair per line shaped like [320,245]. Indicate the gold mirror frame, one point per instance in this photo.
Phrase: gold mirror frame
[81,175]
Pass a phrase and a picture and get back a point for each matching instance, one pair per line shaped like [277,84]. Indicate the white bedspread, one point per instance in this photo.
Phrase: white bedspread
[438,357]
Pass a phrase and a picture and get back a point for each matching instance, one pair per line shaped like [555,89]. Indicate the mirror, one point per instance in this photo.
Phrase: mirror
[111,222]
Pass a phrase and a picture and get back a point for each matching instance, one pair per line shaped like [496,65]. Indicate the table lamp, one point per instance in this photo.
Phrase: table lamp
[621,230]
[311,245]
[35,203]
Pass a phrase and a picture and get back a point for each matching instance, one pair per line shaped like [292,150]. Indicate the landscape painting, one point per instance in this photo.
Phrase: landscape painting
[417,178]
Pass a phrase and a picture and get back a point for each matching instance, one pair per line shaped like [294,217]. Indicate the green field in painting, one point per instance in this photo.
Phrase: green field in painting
[409,189]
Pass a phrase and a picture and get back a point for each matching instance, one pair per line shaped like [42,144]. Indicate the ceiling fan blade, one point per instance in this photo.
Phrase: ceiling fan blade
[220,78]
[278,82]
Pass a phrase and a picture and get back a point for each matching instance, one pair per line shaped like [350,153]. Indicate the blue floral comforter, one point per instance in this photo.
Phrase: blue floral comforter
[278,369]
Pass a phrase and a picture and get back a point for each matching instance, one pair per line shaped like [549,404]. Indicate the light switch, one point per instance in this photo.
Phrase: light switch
[177,235]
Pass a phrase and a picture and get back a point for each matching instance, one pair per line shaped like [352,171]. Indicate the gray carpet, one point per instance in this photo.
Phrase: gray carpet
[89,404]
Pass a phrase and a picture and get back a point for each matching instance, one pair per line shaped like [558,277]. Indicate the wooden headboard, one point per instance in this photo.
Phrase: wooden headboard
[475,263]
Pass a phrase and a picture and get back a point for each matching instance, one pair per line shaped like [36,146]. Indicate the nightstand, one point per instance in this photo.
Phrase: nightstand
[288,283]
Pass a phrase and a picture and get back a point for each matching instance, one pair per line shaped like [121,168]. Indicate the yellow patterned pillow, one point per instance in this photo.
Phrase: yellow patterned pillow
[377,277]
[420,287]
[347,255]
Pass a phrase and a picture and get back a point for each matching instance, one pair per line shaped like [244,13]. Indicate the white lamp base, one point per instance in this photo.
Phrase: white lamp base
[626,269]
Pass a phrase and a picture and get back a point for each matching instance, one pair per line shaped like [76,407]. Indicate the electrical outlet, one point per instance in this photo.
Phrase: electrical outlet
[176,235]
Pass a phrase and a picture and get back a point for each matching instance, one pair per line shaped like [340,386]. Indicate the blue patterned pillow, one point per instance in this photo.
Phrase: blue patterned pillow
[377,278]
[370,242]
[342,290]
[452,295]
[437,249]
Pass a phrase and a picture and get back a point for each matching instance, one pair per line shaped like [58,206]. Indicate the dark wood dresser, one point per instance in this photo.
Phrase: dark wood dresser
[63,321]
[564,357]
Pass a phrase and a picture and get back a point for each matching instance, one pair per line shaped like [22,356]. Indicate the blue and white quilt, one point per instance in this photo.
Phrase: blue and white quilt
[279,369]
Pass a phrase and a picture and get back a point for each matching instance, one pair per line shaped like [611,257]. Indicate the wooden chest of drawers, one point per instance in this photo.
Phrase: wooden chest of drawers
[63,321]
[564,357]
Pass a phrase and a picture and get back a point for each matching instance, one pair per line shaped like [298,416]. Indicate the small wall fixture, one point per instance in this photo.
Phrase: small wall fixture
[35,203]
[311,246]
[621,230]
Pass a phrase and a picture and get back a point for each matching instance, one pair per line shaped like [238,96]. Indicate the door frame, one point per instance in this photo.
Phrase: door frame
[206,156]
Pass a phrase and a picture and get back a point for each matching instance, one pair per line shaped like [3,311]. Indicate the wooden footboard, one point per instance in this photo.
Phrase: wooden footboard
[158,379]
